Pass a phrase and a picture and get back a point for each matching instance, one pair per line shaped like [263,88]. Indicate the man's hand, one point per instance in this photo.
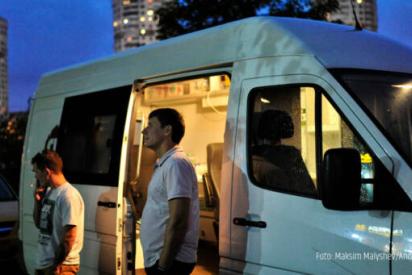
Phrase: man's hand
[39,193]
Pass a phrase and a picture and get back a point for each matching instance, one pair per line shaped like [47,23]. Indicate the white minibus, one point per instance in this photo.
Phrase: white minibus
[300,133]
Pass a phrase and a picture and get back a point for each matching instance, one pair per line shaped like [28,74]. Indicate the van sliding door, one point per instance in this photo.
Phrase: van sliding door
[90,142]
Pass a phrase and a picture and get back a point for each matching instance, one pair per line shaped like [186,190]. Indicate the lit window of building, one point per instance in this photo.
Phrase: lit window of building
[132,16]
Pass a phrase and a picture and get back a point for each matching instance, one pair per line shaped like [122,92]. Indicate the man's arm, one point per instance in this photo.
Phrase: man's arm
[175,230]
[38,198]
[66,243]
[36,213]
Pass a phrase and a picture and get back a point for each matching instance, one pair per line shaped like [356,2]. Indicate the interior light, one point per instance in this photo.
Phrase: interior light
[115,24]
[264,100]
[125,21]
[403,86]
[150,18]
[150,12]
[142,31]
[142,19]
[359,1]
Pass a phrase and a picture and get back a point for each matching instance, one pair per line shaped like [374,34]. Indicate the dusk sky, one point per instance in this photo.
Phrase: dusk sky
[45,35]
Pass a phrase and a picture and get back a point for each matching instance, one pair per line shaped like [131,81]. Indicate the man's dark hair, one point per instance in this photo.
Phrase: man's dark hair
[48,159]
[168,116]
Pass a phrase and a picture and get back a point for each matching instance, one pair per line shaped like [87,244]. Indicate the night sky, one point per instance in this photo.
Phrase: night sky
[45,35]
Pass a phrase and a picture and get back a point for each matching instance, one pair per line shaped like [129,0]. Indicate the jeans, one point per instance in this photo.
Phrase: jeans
[177,268]
[60,270]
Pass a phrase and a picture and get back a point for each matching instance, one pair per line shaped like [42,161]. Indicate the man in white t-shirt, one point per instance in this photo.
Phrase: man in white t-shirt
[59,215]
[170,220]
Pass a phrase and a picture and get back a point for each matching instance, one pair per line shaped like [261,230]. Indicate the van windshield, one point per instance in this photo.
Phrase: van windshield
[388,98]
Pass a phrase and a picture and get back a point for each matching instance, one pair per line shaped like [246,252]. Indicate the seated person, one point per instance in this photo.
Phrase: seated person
[275,164]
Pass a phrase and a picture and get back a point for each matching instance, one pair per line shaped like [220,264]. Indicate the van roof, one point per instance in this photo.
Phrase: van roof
[335,46]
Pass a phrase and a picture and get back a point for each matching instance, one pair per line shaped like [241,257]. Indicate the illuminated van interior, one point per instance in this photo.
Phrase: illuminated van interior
[203,104]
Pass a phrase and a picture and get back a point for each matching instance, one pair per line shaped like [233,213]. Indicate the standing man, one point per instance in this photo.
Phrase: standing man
[170,220]
[59,215]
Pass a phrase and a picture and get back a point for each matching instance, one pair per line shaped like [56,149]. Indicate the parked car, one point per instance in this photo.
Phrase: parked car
[9,211]
[11,258]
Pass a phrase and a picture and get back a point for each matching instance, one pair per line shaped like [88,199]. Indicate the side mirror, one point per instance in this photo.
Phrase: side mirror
[340,182]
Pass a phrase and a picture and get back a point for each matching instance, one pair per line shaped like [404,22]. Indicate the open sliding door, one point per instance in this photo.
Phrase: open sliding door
[91,141]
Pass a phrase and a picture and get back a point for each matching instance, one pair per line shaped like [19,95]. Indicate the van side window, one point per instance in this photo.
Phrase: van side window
[289,130]
[379,190]
[281,149]
[90,136]
[337,134]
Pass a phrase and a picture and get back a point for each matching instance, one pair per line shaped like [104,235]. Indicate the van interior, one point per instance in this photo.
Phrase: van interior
[203,104]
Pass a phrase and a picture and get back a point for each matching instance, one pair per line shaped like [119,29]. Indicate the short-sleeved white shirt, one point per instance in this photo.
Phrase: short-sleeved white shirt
[61,206]
[173,177]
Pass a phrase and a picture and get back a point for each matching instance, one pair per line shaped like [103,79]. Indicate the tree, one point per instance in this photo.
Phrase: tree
[183,16]
[12,130]
[318,9]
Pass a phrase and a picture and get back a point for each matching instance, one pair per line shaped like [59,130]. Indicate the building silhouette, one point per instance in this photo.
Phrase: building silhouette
[366,11]
[3,67]
[134,22]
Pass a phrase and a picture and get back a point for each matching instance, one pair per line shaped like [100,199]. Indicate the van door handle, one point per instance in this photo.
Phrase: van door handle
[244,222]
[108,204]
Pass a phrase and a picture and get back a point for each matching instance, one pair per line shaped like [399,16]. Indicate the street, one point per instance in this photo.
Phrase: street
[11,259]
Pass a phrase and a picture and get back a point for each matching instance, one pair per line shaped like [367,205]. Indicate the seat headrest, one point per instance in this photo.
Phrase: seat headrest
[275,125]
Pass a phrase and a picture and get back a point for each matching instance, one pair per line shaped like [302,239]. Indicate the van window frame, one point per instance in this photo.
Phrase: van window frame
[338,73]
[105,102]
[141,85]
[250,105]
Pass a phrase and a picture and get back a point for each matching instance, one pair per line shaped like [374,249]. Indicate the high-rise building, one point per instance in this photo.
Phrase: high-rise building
[134,22]
[3,67]
[366,11]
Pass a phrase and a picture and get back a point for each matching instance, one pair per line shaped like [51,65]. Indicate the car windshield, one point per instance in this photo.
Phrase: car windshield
[388,98]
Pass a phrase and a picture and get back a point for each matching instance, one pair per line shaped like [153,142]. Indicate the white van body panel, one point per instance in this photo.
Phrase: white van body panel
[47,115]
[259,51]
[402,243]
[231,42]
[100,229]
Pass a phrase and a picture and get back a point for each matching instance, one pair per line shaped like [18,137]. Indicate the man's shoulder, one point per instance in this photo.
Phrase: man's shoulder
[69,191]
[179,158]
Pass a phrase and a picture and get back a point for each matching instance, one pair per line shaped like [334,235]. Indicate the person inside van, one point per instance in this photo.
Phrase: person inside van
[170,220]
[59,215]
[275,164]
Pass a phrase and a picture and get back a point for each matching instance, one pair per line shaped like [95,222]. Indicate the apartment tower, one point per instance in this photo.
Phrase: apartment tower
[134,22]
[366,11]
[3,67]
